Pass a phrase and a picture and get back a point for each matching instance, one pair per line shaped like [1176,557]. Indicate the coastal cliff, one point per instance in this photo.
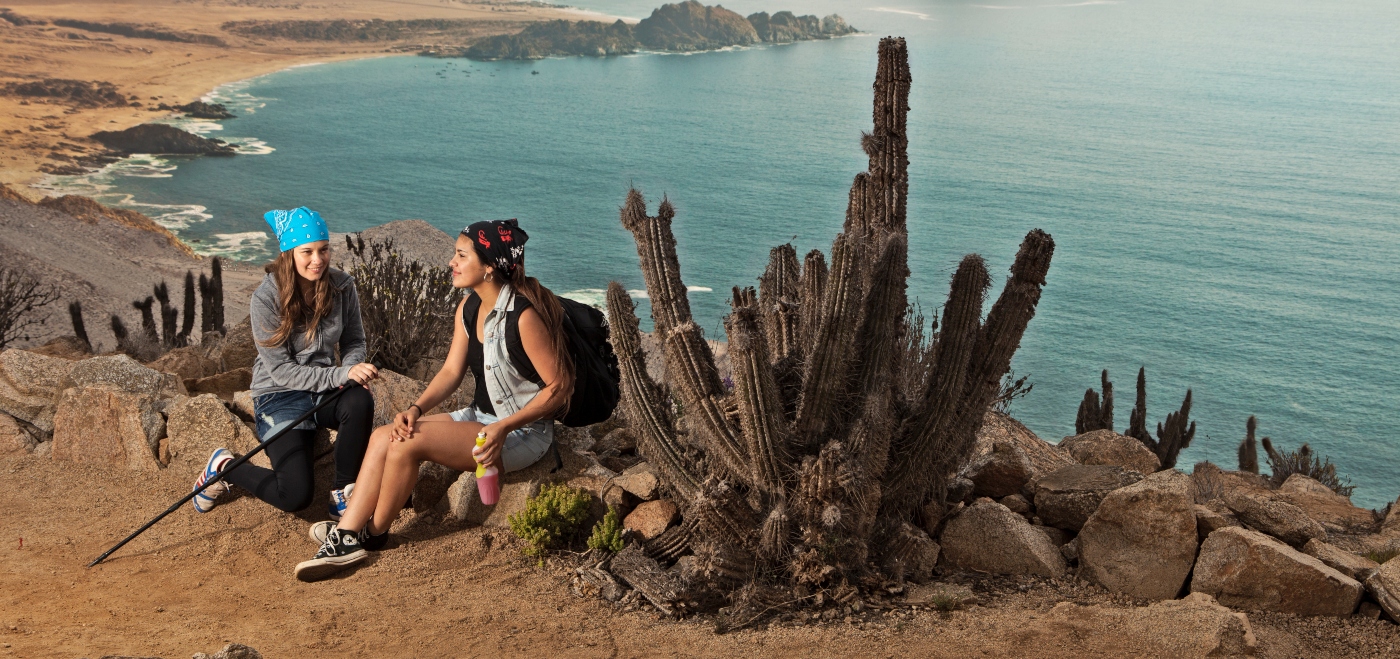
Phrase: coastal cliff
[684,27]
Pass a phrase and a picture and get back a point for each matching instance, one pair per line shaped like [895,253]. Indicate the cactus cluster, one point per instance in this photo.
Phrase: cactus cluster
[156,338]
[1095,413]
[827,461]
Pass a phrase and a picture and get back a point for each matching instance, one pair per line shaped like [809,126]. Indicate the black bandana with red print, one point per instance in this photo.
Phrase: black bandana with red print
[499,243]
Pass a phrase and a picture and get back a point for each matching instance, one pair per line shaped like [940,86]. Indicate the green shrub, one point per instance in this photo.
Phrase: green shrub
[550,518]
[607,534]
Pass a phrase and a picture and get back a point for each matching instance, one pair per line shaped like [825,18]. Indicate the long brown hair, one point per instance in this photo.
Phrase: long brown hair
[551,311]
[295,312]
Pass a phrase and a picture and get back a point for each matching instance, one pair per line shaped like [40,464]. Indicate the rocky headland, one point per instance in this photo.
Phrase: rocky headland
[161,139]
[685,27]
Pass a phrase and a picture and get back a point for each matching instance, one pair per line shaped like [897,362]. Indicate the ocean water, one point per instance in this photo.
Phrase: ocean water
[1222,180]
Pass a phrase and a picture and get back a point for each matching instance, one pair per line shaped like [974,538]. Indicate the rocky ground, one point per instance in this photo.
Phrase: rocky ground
[454,581]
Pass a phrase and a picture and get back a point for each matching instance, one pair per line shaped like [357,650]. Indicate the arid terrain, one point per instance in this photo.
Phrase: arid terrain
[196,582]
[181,51]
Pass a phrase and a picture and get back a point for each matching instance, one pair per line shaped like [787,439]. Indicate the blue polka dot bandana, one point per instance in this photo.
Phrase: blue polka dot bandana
[297,227]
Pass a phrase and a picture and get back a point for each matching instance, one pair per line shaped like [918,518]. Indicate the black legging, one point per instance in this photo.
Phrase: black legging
[289,483]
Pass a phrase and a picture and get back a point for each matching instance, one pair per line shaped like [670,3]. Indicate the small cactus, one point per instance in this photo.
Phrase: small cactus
[1249,455]
[1093,414]
[75,313]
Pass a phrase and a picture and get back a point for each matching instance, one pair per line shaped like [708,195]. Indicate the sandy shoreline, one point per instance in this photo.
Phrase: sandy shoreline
[43,135]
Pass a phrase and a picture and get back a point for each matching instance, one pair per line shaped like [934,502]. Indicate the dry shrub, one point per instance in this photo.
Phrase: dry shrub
[406,306]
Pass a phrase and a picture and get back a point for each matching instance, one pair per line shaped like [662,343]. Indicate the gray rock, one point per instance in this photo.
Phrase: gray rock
[15,438]
[1001,472]
[1105,447]
[1017,503]
[1357,567]
[1142,539]
[30,384]
[1384,586]
[1213,516]
[1067,497]
[988,537]
[122,373]
[100,426]
[640,480]
[1323,505]
[198,425]
[1246,569]
[1275,517]
[237,350]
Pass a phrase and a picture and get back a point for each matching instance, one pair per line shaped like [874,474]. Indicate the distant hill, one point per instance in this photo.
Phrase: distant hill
[685,27]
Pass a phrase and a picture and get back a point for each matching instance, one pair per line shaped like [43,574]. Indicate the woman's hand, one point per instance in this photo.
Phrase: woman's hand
[490,454]
[406,423]
[363,372]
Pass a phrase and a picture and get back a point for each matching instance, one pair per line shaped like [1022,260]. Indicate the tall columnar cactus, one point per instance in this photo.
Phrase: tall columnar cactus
[216,293]
[816,482]
[148,319]
[187,322]
[206,305]
[1137,419]
[1174,434]
[1095,413]
[168,315]
[75,313]
[1249,454]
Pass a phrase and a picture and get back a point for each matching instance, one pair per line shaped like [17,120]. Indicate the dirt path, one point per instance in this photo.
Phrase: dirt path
[196,582]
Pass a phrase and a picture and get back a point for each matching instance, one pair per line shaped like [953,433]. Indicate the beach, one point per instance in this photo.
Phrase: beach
[152,70]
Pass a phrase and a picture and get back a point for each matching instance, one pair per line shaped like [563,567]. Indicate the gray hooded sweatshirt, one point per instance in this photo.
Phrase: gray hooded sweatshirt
[299,365]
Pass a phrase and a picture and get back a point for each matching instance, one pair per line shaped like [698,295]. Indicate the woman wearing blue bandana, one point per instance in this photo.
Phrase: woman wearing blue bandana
[303,311]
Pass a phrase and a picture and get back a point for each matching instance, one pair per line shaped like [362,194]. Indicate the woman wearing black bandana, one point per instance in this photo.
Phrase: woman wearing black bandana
[510,334]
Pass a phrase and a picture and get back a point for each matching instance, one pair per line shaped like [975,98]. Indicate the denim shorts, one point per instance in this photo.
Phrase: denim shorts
[524,447]
[276,411]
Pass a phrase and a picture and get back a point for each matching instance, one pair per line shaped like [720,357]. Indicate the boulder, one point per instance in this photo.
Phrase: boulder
[1067,497]
[619,499]
[1017,503]
[463,504]
[198,425]
[1142,539]
[1384,586]
[224,385]
[67,347]
[1211,517]
[1323,505]
[15,437]
[242,405]
[650,518]
[1246,569]
[187,363]
[1001,472]
[434,480]
[394,393]
[1277,518]
[999,426]
[100,426]
[1195,626]
[237,350]
[30,384]
[122,373]
[640,480]
[1105,447]
[1357,567]
[988,537]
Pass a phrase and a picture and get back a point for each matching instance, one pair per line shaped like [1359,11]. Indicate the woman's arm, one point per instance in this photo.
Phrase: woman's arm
[281,367]
[448,378]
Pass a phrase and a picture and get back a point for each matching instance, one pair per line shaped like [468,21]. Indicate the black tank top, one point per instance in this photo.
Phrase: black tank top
[476,353]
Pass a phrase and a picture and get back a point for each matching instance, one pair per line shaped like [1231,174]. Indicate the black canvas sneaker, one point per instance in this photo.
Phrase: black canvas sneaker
[340,550]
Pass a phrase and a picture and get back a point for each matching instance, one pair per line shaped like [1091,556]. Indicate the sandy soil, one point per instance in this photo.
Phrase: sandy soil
[196,582]
[154,72]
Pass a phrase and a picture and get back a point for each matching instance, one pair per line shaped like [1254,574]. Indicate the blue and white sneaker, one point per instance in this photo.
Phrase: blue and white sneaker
[204,501]
[340,500]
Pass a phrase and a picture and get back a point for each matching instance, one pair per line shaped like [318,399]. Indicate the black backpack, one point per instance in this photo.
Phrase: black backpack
[596,376]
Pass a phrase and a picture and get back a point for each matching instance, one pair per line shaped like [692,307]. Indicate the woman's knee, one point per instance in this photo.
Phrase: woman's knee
[356,403]
[295,498]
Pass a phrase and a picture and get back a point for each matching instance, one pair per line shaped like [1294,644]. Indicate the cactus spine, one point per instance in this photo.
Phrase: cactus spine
[818,482]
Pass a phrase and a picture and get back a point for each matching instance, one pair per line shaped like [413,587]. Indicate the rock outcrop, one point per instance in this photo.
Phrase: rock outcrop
[1357,567]
[1068,497]
[1249,570]
[105,426]
[988,537]
[77,93]
[1323,505]
[1105,447]
[29,385]
[1384,586]
[683,27]
[1142,539]
[161,139]
[1275,517]
[122,373]
[202,110]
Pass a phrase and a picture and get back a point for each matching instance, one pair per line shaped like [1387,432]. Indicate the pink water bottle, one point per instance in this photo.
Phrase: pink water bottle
[488,480]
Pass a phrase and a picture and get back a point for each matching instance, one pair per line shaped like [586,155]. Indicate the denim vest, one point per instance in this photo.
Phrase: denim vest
[509,390]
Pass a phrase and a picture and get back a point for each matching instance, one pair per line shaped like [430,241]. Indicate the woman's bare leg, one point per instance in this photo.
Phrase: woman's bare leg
[369,483]
[439,439]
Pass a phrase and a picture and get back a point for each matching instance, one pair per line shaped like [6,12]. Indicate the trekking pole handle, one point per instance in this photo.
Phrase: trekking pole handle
[229,469]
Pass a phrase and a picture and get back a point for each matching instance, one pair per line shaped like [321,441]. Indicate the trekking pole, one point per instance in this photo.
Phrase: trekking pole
[228,469]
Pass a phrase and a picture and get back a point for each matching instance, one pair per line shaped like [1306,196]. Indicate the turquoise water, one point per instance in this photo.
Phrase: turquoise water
[1222,180]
